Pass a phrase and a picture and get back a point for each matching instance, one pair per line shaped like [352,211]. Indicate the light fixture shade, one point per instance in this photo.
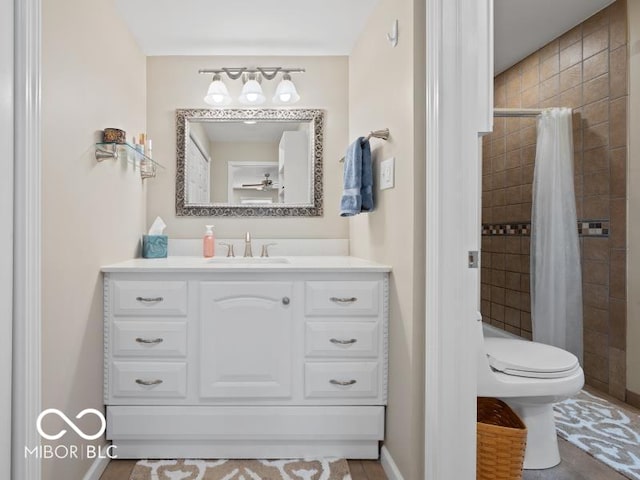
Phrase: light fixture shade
[251,93]
[286,91]
[217,93]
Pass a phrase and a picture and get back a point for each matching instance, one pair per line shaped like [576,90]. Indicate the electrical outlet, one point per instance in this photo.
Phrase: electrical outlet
[387,173]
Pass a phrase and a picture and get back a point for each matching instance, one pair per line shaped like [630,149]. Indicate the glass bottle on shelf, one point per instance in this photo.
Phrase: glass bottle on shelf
[147,166]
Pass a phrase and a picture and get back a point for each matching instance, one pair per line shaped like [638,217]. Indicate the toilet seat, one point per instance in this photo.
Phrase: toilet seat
[522,358]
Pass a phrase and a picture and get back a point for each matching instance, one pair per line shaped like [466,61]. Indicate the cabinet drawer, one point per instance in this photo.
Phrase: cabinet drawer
[352,298]
[348,339]
[139,379]
[149,298]
[149,339]
[341,380]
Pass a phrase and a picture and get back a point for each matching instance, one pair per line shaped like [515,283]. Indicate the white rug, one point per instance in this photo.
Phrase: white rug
[600,428]
[321,469]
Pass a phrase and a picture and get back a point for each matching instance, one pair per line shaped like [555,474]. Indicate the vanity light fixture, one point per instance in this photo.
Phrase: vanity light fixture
[251,90]
[217,93]
[252,93]
[286,91]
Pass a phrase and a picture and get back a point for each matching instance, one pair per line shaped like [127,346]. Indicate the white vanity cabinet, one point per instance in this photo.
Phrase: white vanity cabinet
[257,362]
[246,341]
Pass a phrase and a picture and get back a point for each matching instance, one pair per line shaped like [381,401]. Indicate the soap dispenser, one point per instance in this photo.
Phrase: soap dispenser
[208,242]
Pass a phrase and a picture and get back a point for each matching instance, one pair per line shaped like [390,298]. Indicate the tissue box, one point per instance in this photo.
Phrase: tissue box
[154,246]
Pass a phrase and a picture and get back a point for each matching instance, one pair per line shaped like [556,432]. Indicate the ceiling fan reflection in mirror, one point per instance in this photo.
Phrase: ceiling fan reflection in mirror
[265,184]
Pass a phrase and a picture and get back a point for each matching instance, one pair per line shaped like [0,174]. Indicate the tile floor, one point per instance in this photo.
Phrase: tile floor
[575,465]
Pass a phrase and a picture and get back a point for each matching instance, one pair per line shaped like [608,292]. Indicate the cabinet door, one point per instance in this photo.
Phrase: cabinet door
[245,342]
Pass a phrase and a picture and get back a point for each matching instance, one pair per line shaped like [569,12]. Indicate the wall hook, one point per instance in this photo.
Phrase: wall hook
[393,36]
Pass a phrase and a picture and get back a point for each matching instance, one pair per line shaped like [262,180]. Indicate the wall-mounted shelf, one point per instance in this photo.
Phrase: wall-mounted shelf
[148,166]
[250,174]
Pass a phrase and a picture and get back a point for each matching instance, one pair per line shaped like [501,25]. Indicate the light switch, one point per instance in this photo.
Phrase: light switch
[387,173]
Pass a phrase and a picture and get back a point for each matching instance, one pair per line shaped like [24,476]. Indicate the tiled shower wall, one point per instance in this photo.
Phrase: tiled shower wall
[585,69]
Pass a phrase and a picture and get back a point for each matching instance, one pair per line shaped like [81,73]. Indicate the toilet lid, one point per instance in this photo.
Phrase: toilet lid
[529,359]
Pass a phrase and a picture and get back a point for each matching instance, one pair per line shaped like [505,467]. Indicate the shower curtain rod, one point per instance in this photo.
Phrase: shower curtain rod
[517,112]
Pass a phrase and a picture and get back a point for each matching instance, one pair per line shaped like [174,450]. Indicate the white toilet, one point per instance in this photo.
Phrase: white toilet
[530,377]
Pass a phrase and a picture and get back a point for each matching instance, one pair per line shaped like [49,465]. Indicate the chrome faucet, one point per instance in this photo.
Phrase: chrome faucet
[265,249]
[247,245]
[230,252]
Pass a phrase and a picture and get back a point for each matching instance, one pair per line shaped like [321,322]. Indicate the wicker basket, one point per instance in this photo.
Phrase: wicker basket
[502,438]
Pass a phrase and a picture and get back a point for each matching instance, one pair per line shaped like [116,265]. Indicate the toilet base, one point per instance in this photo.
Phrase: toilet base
[542,440]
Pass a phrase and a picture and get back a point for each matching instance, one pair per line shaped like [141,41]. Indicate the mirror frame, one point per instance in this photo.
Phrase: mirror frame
[313,209]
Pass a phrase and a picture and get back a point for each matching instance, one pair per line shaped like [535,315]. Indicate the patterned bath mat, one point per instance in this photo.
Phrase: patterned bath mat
[608,433]
[322,469]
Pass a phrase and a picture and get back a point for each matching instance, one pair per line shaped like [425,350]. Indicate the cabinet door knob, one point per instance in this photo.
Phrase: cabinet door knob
[152,341]
[147,383]
[149,299]
[285,300]
[343,299]
[341,382]
[337,341]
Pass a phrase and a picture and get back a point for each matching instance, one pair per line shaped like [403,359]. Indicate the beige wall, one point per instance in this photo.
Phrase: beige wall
[393,97]
[633,238]
[174,82]
[224,152]
[93,76]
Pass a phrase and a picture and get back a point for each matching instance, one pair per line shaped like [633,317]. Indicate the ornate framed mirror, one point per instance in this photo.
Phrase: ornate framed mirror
[249,162]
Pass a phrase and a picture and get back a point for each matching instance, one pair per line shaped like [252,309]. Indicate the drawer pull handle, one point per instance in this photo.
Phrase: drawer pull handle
[336,341]
[344,299]
[341,382]
[148,383]
[150,299]
[149,341]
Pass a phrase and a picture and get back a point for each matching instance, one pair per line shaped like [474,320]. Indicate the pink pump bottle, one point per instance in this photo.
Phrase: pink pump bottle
[209,242]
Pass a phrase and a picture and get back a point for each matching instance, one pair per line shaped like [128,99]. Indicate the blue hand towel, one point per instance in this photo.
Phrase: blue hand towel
[351,202]
[366,190]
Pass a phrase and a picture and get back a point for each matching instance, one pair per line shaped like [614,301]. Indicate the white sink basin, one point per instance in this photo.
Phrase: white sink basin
[247,260]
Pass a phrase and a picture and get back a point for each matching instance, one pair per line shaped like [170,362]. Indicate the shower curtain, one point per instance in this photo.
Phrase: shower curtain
[556,277]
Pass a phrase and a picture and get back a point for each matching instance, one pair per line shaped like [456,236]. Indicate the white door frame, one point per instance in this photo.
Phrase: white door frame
[27,240]
[6,232]
[459,106]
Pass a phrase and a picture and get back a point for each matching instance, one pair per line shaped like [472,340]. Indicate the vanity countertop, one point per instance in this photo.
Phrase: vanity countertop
[177,264]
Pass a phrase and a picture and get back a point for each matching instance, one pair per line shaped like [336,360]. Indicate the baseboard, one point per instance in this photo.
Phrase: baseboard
[97,468]
[389,466]
[632,398]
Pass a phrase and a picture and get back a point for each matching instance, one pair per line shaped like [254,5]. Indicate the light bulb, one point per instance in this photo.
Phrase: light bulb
[252,93]
[286,91]
[217,93]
